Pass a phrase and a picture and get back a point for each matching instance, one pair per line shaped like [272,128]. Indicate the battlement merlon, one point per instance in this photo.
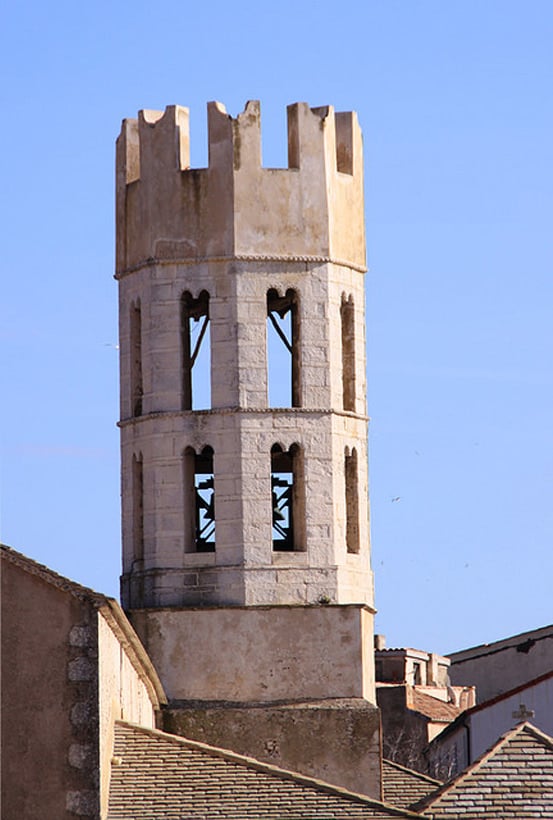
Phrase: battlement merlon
[235,207]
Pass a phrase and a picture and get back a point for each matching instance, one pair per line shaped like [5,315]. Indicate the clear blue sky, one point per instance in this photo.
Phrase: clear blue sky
[456,107]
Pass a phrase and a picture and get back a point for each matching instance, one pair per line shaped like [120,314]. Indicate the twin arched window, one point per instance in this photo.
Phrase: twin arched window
[287,499]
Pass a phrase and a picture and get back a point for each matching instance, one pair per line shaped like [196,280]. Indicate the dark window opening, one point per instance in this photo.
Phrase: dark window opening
[196,352]
[283,345]
[200,482]
[136,360]
[347,314]
[287,498]
[352,501]
[138,508]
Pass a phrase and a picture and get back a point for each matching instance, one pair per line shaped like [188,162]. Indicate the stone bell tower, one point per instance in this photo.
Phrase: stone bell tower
[246,556]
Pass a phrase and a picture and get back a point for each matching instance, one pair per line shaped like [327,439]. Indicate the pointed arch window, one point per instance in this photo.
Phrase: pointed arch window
[283,349]
[352,500]
[196,351]
[287,493]
[137,390]
[347,314]
[137,478]
[200,501]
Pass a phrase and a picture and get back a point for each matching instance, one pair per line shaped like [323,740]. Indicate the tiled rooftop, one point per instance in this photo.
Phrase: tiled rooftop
[433,708]
[513,780]
[402,787]
[156,776]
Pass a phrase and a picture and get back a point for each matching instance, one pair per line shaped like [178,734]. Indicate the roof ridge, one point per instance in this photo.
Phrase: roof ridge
[412,772]
[50,576]
[268,768]
[491,702]
[491,644]
[510,692]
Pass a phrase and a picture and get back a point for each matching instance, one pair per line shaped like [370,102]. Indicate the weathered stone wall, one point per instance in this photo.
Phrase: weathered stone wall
[50,722]
[260,653]
[124,694]
[404,731]
[166,210]
[337,741]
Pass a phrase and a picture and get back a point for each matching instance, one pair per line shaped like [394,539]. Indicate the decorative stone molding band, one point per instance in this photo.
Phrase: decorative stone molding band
[227,411]
[244,257]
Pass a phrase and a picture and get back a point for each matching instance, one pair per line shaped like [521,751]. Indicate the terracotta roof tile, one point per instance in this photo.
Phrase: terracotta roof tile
[156,775]
[432,707]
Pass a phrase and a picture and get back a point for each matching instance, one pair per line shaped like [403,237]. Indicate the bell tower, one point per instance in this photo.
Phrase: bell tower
[246,554]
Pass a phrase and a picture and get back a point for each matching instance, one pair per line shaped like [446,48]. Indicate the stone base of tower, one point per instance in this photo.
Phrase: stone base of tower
[289,685]
[261,653]
[335,740]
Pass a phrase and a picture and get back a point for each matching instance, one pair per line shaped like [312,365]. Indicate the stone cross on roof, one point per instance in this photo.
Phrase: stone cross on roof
[524,713]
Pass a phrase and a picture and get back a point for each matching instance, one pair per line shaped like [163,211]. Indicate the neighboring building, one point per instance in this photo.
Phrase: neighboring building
[513,779]
[246,554]
[415,700]
[71,666]
[498,667]
[477,729]
[411,666]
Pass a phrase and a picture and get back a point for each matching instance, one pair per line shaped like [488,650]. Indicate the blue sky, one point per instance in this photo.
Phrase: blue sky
[454,99]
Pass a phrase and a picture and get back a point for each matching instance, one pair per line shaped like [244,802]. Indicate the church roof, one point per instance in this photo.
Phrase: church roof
[157,775]
[402,787]
[513,779]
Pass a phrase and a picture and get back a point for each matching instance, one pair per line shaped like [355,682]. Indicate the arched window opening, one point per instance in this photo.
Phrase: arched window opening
[352,501]
[287,498]
[136,359]
[347,314]
[283,349]
[196,352]
[138,507]
[200,488]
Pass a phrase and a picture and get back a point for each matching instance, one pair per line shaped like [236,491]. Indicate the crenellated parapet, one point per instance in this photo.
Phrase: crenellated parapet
[167,211]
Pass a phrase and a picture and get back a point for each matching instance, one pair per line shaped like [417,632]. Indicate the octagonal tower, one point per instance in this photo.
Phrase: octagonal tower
[245,514]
